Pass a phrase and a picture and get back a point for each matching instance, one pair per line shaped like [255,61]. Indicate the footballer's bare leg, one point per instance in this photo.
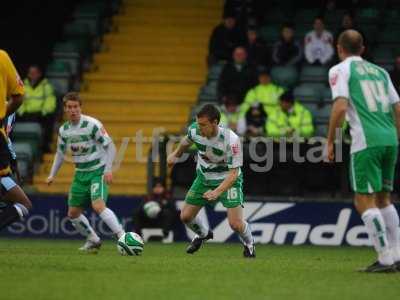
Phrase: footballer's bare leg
[191,220]
[392,222]
[82,225]
[15,207]
[242,228]
[366,205]
[108,217]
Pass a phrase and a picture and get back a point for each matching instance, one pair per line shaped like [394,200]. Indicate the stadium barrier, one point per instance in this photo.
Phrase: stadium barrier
[293,223]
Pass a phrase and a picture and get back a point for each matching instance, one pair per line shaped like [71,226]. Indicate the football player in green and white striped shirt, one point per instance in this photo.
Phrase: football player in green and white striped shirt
[219,178]
[364,94]
[93,152]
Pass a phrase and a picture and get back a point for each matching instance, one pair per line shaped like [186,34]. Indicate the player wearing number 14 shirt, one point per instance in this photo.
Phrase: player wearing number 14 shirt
[364,94]
[219,178]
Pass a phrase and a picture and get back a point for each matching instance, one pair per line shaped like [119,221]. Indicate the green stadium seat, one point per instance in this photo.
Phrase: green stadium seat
[305,16]
[327,96]
[321,130]
[308,92]
[31,133]
[68,52]
[276,16]
[215,71]
[58,74]
[367,16]
[24,169]
[391,18]
[390,35]
[312,107]
[313,74]
[270,33]
[285,76]
[333,19]
[23,151]
[77,28]
[383,55]
[90,9]
[324,112]
[301,30]
[208,92]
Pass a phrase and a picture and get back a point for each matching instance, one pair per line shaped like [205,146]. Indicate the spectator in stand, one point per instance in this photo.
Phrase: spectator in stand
[395,74]
[39,104]
[253,122]
[258,53]
[318,44]
[287,51]
[167,214]
[291,119]
[246,12]
[224,38]
[348,23]
[266,93]
[237,77]
[230,113]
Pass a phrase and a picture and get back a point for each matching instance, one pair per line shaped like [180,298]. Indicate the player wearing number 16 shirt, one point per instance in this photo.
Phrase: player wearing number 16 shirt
[364,94]
[219,178]
[93,152]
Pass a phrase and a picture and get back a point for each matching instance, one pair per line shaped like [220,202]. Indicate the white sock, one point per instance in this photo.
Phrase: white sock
[82,224]
[108,216]
[22,210]
[198,227]
[392,221]
[375,224]
[246,236]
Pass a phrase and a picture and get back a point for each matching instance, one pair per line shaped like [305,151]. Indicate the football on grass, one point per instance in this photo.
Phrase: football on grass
[130,244]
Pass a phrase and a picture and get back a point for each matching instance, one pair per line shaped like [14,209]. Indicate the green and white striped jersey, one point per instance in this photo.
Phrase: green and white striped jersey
[371,96]
[85,141]
[216,155]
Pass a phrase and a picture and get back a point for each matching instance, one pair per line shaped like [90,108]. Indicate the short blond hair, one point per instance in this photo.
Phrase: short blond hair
[72,96]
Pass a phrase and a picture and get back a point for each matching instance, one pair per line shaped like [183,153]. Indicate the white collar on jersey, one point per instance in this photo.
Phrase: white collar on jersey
[354,57]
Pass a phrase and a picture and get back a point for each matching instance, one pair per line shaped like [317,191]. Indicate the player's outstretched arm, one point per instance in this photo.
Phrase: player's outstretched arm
[110,156]
[58,161]
[224,185]
[183,146]
[336,120]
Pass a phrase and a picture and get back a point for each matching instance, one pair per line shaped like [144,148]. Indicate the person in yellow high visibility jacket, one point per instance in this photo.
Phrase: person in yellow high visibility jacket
[266,93]
[290,119]
[39,103]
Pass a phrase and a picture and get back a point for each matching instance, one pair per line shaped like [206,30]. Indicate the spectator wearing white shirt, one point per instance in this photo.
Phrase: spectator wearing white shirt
[318,46]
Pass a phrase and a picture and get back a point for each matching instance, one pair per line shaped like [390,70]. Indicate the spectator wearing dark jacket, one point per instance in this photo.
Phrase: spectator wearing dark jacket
[237,77]
[224,38]
[348,23]
[149,216]
[395,74]
[257,52]
[287,51]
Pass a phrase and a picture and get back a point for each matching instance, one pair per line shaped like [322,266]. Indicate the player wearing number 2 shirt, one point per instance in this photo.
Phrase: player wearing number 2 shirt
[93,151]
[364,94]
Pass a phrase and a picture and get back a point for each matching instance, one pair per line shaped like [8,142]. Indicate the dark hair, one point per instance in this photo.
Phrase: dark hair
[36,66]
[211,112]
[321,18]
[287,97]
[287,25]
[72,96]
[351,41]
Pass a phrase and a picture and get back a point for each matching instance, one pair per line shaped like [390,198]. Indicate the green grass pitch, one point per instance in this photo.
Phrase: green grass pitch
[53,269]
